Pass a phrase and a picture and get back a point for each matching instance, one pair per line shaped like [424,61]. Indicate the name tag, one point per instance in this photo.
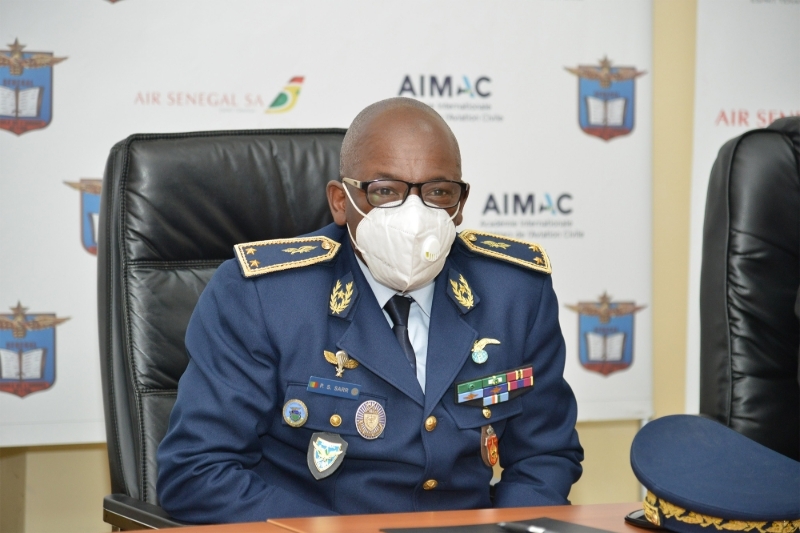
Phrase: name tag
[333,387]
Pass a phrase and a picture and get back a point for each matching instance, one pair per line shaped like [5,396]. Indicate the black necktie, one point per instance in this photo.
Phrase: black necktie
[398,308]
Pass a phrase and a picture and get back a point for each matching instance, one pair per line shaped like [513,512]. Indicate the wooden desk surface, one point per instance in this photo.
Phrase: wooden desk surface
[602,516]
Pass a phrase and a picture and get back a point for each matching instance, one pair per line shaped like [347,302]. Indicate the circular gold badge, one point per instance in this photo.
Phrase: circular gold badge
[295,413]
[370,419]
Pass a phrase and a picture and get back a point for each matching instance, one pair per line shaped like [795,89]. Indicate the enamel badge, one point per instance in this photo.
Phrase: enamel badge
[479,355]
[370,419]
[295,413]
[326,452]
[489,446]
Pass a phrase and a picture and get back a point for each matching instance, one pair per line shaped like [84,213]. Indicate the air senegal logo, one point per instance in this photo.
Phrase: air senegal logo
[287,98]
[26,88]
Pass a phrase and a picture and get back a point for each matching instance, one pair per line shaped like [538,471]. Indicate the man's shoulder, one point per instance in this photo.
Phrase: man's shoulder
[264,257]
[502,250]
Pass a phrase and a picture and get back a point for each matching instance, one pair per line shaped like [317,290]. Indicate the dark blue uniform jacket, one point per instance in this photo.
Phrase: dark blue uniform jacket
[254,343]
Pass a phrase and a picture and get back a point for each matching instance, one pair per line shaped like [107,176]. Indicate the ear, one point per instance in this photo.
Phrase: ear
[337,200]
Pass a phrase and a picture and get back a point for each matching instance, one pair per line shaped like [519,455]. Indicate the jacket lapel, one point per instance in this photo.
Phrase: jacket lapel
[450,341]
[369,339]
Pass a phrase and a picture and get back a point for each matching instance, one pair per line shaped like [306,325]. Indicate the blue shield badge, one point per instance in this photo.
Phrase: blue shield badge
[606,99]
[27,351]
[90,211]
[26,88]
[605,334]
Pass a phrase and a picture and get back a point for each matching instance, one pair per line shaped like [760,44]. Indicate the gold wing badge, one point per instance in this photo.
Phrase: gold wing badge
[300,250]
[17,62]
[341,360]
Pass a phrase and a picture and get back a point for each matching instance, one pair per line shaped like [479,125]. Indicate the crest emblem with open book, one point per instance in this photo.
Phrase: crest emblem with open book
[90,211]
[606,103]
[605,334]
[26,88]
[27,351]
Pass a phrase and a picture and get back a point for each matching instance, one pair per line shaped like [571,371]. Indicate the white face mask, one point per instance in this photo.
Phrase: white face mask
[404,247]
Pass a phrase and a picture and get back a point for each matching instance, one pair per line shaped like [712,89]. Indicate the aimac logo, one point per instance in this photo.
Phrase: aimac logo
[528,204]
[26,88]
[605,334]
[606,102]
[446,86]
[287,98]
[27,351]
[90,211]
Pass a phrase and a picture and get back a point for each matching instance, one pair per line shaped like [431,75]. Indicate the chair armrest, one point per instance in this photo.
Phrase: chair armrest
[126,513]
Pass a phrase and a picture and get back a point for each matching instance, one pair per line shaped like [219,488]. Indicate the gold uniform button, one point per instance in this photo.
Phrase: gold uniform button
[430,423]
[487,413]
[336,421]
[430,484]
[326,245]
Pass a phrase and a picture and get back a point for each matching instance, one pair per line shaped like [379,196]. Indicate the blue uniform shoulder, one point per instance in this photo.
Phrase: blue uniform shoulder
[528,255]
[262,257]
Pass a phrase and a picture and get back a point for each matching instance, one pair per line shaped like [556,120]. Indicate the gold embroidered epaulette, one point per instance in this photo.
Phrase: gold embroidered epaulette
[527,254]
[262,257]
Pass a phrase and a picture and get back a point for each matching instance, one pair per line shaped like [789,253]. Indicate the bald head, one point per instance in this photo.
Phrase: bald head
[387,117]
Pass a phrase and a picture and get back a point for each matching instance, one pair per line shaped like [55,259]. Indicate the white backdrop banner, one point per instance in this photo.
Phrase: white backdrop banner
[549,99]
[747,76]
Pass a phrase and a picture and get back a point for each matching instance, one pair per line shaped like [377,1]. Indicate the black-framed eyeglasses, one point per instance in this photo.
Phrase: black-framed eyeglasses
[441,194]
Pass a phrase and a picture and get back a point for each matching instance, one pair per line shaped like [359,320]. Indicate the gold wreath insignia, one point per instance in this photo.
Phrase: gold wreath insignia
[300,250]
[494,244]
[341,360]
[462,292]
[340,299]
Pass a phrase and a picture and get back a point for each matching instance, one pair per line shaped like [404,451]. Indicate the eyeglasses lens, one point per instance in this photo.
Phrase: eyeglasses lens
[441,194]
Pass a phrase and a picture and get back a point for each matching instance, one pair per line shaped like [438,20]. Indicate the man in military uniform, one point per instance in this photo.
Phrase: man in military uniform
[381,364]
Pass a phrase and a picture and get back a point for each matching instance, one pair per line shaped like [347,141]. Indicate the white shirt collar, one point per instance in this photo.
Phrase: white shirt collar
[423,296]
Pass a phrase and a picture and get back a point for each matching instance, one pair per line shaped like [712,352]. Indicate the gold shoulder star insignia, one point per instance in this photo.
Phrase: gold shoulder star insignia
[254,263]
[250,251]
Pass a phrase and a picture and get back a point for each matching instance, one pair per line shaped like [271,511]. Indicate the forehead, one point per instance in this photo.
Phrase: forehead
[406,144]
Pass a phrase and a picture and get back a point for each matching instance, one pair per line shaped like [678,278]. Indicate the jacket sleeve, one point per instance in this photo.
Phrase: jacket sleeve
[207,457]
[539,450]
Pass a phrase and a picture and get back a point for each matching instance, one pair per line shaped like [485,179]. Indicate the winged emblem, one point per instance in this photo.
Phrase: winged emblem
[603,73]
[17,64]
[603,309]
[299,250]
[494,244]
[87,186]
[20,327]
[341,360]
[325,454]
[480,344]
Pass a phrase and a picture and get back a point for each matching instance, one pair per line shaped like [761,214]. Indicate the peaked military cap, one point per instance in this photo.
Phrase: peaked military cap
[262,257]
[526,254]
[703,477]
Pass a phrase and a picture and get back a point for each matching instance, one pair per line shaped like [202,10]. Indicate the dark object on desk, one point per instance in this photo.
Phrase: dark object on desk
[749,288]
[173,206]
[637,518]
[700,473]
[549,524]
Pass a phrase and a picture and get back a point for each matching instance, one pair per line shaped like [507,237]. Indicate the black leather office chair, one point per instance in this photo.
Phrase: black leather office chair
[749,299]
[173,206]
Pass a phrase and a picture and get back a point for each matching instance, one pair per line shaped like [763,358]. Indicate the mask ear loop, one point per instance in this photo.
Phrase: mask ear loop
[363,214]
